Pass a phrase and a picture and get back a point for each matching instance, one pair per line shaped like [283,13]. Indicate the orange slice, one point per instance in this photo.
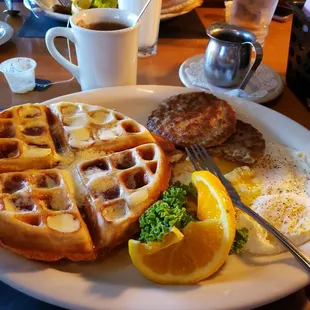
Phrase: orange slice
[205,244]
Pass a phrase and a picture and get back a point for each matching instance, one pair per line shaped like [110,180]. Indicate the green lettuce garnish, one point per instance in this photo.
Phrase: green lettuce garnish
[170,211]
[104,4]
[166,213]
[241,238]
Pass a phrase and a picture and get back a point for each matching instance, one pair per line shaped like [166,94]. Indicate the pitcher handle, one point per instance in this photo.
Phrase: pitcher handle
[50,44]
[258,59]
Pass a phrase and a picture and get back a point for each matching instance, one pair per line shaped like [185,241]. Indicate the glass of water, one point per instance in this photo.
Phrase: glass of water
[253,15]
[148,35]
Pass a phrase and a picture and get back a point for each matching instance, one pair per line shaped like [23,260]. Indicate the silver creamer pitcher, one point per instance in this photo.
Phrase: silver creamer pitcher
[228,56]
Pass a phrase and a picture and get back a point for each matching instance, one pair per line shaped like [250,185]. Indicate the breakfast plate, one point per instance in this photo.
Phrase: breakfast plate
[46,5]
[6,32]
[113,283]
[169,16]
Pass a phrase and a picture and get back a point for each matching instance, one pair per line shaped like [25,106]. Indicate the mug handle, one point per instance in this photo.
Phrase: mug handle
[258,59]
[50,44]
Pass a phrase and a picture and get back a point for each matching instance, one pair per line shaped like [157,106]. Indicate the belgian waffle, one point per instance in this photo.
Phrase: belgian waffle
[39,217]
[119,188]
[30,137]
[39,214]
[88,126]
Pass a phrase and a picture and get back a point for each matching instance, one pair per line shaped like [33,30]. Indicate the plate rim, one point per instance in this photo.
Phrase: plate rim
[149,86]
[45,297]
[49,13]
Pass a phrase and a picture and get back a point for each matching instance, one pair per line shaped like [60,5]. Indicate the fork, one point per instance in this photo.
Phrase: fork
[201,160]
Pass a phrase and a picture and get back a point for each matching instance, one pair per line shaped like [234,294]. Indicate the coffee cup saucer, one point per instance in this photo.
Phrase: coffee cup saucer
[265,85]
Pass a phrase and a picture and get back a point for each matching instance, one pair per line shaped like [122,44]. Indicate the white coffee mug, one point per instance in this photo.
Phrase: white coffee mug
[104,58]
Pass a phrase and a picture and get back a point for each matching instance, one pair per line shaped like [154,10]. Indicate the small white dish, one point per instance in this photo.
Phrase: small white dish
[265,85]
[6,32]
[19,73]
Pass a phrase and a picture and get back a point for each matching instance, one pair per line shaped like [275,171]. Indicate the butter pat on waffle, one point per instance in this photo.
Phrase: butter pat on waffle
[88,126]
[39,217]
[30,137]
[119,187]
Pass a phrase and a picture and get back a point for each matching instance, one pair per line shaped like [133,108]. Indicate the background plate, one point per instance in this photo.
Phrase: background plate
[45,5]
[113,283]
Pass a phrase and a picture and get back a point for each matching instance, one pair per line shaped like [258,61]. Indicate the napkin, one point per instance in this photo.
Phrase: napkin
[37,27]
[187,26]
[262,82]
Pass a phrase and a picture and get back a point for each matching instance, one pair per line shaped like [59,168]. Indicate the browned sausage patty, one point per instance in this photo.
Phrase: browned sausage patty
[245,146]
[193,118]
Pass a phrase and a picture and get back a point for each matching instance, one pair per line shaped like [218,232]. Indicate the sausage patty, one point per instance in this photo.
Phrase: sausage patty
[245,146]
[193,118]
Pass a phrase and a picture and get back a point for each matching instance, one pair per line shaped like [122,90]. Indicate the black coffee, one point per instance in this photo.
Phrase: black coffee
[103,26]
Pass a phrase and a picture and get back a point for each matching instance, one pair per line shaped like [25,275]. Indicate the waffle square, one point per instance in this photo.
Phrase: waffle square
[88,126]
[30,137]
[119,187]
[39,216]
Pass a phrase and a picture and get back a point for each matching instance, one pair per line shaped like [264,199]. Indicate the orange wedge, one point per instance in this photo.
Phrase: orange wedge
[200,249]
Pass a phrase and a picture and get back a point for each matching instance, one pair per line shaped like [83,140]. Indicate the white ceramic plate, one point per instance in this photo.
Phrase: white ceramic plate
[45,5]
[114,283]
[6,32]
[271,93]
[169,16]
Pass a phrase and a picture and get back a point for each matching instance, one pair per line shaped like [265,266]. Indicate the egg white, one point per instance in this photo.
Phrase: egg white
[277,187]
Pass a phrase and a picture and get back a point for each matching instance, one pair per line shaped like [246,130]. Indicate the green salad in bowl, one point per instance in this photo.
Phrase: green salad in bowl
[79,5]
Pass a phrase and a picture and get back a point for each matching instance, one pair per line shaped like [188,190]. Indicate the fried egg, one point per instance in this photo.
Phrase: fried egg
[277,187]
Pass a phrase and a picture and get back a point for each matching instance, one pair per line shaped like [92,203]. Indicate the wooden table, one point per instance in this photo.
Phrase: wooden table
[160,70]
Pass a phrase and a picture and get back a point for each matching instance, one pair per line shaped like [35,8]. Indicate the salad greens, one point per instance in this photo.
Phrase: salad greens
[241,238]
[171,211]
[104,3]
[166,213]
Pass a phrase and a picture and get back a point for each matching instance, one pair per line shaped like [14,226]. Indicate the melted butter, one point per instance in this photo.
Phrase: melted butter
[36,152]
[65,223]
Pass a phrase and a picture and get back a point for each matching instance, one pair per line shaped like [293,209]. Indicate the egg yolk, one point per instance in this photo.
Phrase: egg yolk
[244,181]
[224,165]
